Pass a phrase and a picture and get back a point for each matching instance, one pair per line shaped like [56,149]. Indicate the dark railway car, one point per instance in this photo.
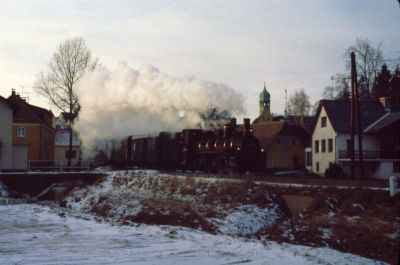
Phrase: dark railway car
[194,149]
[119,152]
[161,152]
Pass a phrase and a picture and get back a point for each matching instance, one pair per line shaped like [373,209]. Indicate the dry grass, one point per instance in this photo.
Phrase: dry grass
[170,213]
[361,221]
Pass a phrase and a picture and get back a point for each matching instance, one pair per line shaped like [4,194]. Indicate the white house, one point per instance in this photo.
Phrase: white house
[61,146]
[6,113]
[380,138]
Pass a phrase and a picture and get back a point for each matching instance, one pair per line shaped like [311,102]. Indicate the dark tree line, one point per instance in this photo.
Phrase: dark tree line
[375,80]
[387,84]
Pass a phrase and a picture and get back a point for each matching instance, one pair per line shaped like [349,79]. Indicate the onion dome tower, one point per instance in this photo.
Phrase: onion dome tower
[265,101]
[265,104]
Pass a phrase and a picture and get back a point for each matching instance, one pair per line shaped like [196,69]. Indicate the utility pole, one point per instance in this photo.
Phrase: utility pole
[359,131]
[286,112]
[352,114]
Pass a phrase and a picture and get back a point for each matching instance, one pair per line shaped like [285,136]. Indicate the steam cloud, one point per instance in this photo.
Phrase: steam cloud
[135,102]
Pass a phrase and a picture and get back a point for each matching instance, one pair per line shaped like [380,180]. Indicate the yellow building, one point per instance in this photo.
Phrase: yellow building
[283,144]
[32,126]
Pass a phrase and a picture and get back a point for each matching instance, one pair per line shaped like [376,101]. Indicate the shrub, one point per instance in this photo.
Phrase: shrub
[334,171]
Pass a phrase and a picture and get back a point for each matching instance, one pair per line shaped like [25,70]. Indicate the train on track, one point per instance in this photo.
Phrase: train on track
[231,148]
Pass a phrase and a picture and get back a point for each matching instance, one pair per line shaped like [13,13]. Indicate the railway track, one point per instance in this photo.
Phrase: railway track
[294,179]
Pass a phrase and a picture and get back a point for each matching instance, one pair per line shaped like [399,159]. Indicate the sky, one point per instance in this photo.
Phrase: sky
[287,44]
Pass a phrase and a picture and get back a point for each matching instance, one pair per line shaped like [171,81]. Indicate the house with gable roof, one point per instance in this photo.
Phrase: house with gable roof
[282,143]
[62,142]
[33,127]
[331,139]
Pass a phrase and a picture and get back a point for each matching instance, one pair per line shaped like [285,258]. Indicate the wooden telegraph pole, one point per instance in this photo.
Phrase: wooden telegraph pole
[352,113]
[355,120]
[359,129]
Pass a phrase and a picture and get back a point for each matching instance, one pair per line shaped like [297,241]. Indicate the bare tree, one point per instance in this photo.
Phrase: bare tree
[339,89]
[71,60]
[368,62]
[299,103]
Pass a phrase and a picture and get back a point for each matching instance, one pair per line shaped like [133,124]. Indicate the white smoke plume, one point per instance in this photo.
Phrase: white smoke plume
[127,101]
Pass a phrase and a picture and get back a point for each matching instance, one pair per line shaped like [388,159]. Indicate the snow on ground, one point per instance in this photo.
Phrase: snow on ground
[37,234]
[247,219]
[124,193]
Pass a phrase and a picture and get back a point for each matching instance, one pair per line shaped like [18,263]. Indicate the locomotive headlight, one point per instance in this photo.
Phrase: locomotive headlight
[238,148]
[262,150]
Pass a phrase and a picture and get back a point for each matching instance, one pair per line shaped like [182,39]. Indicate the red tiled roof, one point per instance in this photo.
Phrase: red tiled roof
[267,132]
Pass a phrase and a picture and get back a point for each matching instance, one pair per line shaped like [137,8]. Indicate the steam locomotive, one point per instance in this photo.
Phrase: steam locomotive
[231,148]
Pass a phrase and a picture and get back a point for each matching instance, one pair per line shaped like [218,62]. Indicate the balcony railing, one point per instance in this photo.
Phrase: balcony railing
[383,154]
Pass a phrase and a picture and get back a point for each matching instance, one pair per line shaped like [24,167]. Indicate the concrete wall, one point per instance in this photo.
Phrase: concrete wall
[323,133]
[5,136]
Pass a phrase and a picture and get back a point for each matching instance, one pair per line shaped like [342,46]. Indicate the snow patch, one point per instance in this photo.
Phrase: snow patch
[37,234]
[247,219]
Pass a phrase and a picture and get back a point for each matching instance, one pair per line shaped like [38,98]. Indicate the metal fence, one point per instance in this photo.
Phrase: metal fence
[58,165]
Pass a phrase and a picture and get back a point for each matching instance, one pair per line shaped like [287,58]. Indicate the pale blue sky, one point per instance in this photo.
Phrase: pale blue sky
[289,44]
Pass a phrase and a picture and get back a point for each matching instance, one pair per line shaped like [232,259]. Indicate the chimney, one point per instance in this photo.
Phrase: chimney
[233,124]
[385,101]
[13,92]
[246,123]
[226,130]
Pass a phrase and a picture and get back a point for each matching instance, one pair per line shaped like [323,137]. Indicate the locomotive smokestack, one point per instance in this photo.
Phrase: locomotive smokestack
[246,123]
[226,130]
[233,123]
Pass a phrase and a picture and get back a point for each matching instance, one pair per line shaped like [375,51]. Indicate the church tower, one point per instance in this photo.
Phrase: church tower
[265,101]
[265,104]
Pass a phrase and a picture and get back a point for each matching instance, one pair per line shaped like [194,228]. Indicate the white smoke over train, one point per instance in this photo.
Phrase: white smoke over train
[128,101]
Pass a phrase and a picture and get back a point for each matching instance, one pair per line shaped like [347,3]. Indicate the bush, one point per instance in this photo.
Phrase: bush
[334,171]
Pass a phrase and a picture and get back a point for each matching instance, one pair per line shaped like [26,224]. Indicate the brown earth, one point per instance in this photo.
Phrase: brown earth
[360,218]
[360,221]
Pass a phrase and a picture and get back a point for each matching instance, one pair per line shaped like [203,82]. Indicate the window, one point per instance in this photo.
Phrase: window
[293,141]
[316,146]
[309,159]
[323,145]
[323,122]
[330,145]
[21,132]
[73,154]
[317,166]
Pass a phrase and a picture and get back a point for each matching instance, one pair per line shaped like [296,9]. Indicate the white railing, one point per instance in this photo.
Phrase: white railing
[58,165]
